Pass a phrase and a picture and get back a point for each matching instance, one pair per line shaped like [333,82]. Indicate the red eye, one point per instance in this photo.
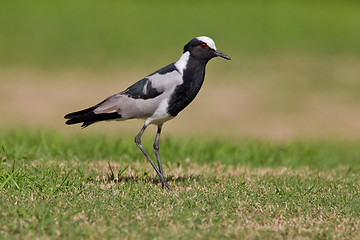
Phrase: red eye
[203,45]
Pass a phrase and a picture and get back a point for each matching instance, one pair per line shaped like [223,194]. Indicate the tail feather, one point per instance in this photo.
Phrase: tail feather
[88,117]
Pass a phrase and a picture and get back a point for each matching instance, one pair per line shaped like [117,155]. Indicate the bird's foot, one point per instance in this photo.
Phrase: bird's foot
[166,185]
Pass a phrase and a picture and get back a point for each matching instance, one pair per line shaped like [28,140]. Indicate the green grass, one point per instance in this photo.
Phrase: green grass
[93,186]
[97,34]
[58,186]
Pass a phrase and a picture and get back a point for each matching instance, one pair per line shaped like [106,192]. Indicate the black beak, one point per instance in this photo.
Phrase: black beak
[220,54]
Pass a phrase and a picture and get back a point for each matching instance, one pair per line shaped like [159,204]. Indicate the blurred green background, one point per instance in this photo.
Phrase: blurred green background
[98,33]
[295,68]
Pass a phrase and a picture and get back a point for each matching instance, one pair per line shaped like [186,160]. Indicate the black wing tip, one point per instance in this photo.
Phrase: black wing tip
[71,121]
[89,117]
[78,117]
[84,123]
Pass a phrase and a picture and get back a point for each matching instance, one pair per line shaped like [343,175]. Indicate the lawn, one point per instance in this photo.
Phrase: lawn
[94,35]
[90,187]
[269,149]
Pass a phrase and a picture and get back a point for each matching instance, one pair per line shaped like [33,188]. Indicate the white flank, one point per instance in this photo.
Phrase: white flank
[182,62]
[208,41]
[160,115]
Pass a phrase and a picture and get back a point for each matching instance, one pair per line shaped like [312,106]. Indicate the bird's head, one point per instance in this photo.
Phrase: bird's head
[203,48]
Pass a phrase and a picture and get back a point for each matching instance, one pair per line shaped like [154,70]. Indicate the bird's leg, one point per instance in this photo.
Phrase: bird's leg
[138,143]
[156,148]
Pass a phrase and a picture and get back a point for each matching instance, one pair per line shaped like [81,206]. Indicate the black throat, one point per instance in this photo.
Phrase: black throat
[193,77]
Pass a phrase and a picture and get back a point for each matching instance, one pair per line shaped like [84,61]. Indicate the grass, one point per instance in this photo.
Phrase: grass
[98,35]
[57,186]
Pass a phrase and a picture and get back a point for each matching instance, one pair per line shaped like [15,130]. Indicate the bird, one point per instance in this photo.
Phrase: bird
[157,98]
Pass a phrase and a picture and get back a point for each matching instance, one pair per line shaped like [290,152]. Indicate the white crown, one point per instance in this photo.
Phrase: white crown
[208,41]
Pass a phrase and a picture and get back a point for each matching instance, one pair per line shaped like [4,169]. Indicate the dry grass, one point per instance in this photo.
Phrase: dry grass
[209,201]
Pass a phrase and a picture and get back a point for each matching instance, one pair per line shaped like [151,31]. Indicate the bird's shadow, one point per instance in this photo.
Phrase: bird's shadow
[119,177]
[154,180]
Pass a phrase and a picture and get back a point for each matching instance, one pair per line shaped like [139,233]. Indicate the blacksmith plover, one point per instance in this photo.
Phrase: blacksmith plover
[158,97]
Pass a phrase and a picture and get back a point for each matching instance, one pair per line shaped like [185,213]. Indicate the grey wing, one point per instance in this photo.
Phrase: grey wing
[141,99]
[133,102]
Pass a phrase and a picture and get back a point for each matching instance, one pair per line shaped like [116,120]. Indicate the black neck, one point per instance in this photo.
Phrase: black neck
[193,78]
